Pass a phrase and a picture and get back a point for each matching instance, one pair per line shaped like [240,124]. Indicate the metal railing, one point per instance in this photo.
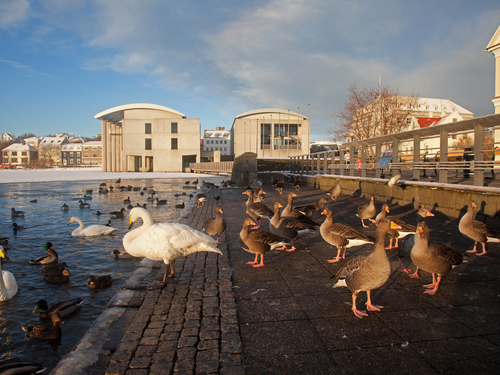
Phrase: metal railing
[213,167]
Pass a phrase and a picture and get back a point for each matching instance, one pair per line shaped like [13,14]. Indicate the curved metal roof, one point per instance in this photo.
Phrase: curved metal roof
[271,110]
[115,114]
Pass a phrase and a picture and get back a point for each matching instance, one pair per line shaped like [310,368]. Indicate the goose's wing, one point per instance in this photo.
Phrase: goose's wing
[349,232]
[446,253]
[351,266]
[405,227]
[484,229]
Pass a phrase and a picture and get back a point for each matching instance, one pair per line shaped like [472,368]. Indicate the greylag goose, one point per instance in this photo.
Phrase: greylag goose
[63,308]
[335,191]
[313,210]
[298,182]
[341,236]
[260,196]
[164,241]
[126,201]
[260,242]
[200,200]
[44,330]
[476,230]
[215,226]
[91,230]
[159,202]
[280,186]
[406,244]
[100,282]
[257,210]
[49,258]
[433,257]
[406,229]
[288,227]
[288,211]
[365,273]
[8,283]
[367,211]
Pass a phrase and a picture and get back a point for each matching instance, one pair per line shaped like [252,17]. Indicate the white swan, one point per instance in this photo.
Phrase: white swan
[8,284]
[91,230]
[164,241]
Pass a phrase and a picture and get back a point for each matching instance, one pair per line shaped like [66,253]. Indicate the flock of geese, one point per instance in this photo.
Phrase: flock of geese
[362,273]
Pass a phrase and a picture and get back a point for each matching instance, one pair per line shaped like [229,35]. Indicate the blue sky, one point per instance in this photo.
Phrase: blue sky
[64,61]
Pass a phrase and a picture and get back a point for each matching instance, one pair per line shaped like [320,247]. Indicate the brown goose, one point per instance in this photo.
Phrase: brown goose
[341,236]
[366,273]
[404,249]
[476,230]
[260,242]
[433,257]
[288,227]
[200,200]
[257,210]
[405,230]
[313,210]
[367,211]
[215,226]
[260,196]
[288,211]
[335,191]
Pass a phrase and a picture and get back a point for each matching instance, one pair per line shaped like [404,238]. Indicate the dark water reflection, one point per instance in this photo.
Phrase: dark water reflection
[44,221]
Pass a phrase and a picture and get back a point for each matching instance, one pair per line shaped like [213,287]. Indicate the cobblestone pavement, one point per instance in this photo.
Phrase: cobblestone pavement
[221,315]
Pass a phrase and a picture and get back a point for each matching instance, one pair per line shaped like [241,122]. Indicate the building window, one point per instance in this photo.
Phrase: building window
[216,142]
[148,144]
[173,143]
[265,136]
[225,142]
[147,128]
[173,128]
[225,148]
[24,153]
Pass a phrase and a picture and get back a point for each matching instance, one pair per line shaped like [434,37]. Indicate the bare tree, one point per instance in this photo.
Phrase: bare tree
[372,112]
[49,154]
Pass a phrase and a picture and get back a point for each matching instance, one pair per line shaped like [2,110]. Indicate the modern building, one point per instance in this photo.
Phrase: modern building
[92,153]
[49,149]
[494,47]
[71,154]
[270,133]
[148,138]
[18,154]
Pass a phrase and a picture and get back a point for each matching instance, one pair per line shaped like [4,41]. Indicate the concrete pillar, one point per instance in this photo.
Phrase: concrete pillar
[351,161]
[416,156]
[325,161]
[113,147]
[443,155]
[104,133]
[363,160]
[478,154]
[109,153]
[378,153]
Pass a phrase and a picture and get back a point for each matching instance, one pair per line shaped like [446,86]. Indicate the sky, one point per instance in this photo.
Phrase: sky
[64,61]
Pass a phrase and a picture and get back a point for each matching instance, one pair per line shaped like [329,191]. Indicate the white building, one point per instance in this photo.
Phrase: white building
[217,140]
[18,154]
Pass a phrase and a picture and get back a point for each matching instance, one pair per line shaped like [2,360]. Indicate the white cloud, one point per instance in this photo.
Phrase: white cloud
[13,13]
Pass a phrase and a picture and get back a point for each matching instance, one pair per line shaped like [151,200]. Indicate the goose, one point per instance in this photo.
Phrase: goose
[341,236]
[164,241]
[119,181]
[91,230]
[15,213]
[63,308]
[121,254]
[259,242]
[200,199]
[335,191]
[127,200]
[102,184]
[257,210]
[83,204]
[8,283]
[261,195]
[100,282]
[57,278]
[161,202]
[313,210]
[256,193]
[228,183]
[215,226]
[50,257]
[367,211]
[64,207]
[118,214]
[180,205]
[298,183]
[393,180]
[406,229]
[280,186]
[144,205]
[365,273]
[130,206]
[288,227]
[288,211]
[195,182]
[22,368]
[433,257]
[44,330]
[476,230]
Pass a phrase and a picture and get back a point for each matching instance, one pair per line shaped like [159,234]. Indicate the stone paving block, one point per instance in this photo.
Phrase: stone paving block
[232,337]
[140,362]
[211,311]
[192,315]
[137,372]
[207,355]
[190,332]
[184,365]
[155,332]
[167,346]
[166,336]
[210,321]
[208,344]
[192,323]
[209,334]
[154,324]
[175,320]
[161,368]
[117,368]
[229,328]
[231,347]
[186,353]
[127,346]
[149,341]
[132,336]
[231,359]
[187,341]
[163,357]
[207,367]
[172,328]
[145,351]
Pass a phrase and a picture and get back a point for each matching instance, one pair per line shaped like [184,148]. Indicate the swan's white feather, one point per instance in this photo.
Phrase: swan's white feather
[91,230]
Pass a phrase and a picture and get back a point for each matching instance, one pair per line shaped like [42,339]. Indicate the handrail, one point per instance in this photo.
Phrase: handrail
[216,167]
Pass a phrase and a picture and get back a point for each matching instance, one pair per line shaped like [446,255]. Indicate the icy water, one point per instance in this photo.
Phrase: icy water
[45,221]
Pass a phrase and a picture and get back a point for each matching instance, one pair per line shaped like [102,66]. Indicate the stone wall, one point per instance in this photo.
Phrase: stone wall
[245,170]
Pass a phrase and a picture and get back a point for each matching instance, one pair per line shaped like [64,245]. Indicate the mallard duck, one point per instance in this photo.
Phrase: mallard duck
[367,211]
[200,200]
[257,210]
[15,213]
[476,230]
[215,226]
[54,267]
[127,200]
[50,257]
[91,230]
[57,278]
[22,368]
[82,204]
[64,207]
[118,214]
[44,330]
[100,282]
[164,241]
[335,191]
[64,308]
[17,227]
[160,202]
[8,284]
[365,273]
[121,254]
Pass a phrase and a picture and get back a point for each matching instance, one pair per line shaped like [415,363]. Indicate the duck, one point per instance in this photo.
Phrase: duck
[17,227]
[44,330]
[100,282]
[476,230]
[280,186]
[257,210]
[118,214]
[91,230]
[87,197]
[288,227]
[127,200]
[63,308]
[22,368]
[288,211]
[121,254]
[341,236]
[313,210]
[259,242]
[108,224]
[15,213]
[56,268]
[298,182]
[367,211]
[164,241]
[64,207]
[393,180]
[57,278]
[8,283]
[180,205]
[33,201]
[144,205]
[200,200]
[335,191]
[406,229]
[161,202]
[366,273]
[50,257]
[433,257]
[130,206]
[83,204]
[215,226]
[195,182]
[118,181]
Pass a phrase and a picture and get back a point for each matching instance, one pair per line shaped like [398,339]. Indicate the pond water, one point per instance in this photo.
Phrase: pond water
[45,221]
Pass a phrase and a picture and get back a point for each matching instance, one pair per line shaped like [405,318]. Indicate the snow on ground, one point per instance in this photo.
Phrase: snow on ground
[85,174]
